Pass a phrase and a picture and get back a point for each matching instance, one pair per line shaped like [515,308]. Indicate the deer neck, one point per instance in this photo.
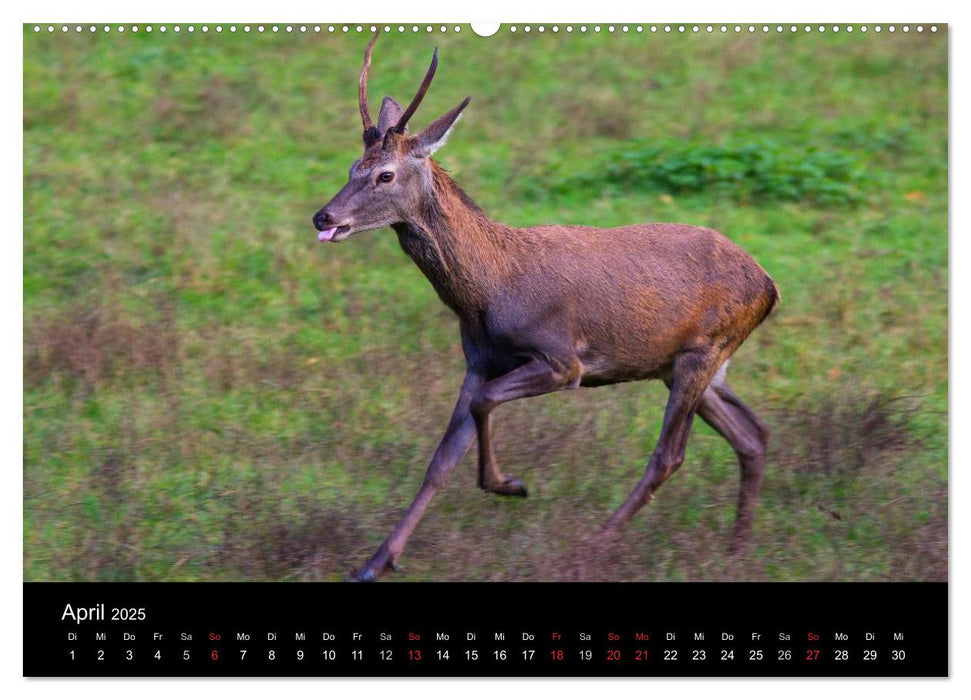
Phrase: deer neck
[456,246]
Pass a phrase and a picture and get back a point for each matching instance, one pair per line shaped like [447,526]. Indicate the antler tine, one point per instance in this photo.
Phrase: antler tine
[362,84]
[422,89]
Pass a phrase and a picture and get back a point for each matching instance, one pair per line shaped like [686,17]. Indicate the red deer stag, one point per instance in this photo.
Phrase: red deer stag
[556,307]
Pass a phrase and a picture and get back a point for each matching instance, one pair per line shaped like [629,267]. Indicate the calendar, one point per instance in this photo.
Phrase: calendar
[548,349]
[549,630]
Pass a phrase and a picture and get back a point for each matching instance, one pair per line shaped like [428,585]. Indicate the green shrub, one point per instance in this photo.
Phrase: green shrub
[763,171]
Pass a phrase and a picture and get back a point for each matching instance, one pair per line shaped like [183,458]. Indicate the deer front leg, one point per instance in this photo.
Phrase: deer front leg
[531,379]
[490,477]
[454,444]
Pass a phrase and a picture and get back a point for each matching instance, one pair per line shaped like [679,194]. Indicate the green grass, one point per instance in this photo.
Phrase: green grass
[211,395]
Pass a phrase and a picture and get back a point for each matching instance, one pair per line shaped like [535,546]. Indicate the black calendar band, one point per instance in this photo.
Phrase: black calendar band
[470,629]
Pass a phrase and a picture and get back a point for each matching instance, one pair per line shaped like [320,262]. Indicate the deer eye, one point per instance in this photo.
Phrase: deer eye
[386,176]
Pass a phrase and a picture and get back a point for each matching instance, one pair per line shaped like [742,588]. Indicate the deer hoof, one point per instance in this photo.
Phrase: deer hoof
[365,575]
[511,486]
[372,571]
[368,574]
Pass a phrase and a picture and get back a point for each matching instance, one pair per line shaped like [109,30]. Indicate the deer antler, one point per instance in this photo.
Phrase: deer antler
[370,131]
[422,89]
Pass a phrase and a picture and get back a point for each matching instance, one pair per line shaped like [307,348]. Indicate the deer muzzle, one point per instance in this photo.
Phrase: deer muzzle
[329,230]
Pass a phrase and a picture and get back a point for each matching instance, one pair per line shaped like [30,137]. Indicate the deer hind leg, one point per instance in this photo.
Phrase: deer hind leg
[531,379]
[690,375]
[749,436]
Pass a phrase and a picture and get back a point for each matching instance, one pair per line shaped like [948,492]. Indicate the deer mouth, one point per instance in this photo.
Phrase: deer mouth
[336,233]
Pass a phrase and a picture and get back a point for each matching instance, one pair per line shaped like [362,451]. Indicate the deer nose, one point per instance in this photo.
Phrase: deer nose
[322,220]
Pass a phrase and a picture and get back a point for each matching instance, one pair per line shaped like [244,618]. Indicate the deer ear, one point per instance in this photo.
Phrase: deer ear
[433,136]
[390,114]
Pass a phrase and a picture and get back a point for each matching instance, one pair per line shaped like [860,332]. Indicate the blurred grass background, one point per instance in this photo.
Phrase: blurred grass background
[211,395]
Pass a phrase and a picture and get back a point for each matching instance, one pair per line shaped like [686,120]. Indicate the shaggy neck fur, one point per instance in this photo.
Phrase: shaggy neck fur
[455,244]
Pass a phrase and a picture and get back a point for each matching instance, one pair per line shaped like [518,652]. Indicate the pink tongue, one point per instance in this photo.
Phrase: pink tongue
[326,234]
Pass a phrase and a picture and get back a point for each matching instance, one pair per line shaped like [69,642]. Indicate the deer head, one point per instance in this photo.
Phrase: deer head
[386,183]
